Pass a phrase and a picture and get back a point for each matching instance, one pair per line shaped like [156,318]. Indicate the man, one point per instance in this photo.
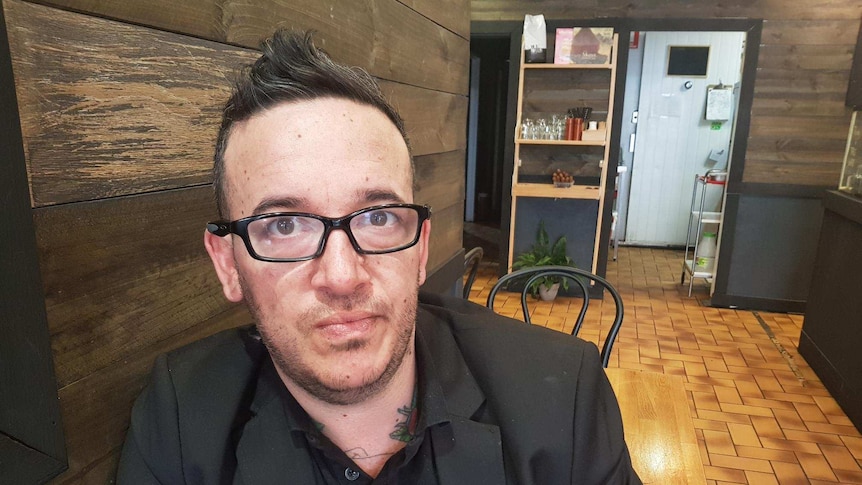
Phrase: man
[349,375]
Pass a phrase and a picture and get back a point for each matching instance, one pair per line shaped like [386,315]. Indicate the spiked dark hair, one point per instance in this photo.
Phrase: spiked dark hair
[292,68]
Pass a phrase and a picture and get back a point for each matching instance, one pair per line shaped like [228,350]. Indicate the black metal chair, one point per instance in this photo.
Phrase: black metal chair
[583,280]
[471,267]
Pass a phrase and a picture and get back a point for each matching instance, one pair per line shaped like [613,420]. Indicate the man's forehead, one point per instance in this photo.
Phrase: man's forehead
[299,151]
[322,125]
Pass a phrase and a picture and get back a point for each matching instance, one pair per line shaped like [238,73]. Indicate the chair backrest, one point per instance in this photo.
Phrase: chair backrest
[471,267]
[582,279]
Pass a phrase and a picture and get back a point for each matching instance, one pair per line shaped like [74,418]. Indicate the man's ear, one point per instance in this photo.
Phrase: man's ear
[220,250]
[424,237]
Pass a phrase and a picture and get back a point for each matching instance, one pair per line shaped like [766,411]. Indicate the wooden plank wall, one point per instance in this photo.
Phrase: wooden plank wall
[799,123]
[119,105]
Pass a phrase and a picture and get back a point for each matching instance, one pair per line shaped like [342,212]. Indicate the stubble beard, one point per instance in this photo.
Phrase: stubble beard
[287,356]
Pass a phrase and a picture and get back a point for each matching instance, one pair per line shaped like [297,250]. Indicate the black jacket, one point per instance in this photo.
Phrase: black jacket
[526,405]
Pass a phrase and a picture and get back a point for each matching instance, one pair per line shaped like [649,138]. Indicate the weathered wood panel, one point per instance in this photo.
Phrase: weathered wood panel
[122,273]
[440,184]
[795,173]
[435,121]
[786,83]
[440,179]
[102,119]
[447,229]
[451,14]
[805,57]
[386,37]
[803,70]
[810,32]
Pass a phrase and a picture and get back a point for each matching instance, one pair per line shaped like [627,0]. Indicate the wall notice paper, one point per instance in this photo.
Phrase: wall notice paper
[719,102]
[667,106]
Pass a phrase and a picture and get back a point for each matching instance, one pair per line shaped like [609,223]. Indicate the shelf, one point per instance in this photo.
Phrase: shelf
[547,65]
[696,225]
[708,217]
[590,192]
[595,143]
[544,88]
[696,274]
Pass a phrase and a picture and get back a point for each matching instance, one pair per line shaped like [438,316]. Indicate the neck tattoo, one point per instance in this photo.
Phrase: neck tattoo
[405,430]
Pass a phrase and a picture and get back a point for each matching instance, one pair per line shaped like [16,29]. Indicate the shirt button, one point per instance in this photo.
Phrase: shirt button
[351,474]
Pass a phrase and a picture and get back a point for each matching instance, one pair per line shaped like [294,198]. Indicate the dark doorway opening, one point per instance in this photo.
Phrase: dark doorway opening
[490,55]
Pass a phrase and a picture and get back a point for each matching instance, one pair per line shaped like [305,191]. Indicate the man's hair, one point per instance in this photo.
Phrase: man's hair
[291,68]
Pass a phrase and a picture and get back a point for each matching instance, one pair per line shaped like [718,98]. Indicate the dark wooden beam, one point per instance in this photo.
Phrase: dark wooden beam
[31,433]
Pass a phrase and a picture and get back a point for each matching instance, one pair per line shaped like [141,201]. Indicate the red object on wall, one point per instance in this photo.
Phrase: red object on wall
[635,40]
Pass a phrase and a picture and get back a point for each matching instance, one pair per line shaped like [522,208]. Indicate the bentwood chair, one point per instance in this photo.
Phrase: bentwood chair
[583,281]
[471,267]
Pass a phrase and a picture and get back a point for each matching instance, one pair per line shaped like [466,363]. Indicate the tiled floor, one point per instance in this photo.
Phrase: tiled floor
[761,414]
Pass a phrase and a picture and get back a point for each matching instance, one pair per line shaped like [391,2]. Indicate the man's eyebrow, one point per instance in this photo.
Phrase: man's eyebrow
[279,203]
[382,196]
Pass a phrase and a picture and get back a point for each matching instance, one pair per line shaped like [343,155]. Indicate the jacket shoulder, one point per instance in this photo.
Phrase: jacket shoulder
[188,411]
[517,365]
[471,323]
[231,354]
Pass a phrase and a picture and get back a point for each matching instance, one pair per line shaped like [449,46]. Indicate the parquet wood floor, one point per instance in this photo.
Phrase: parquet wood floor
[761,414]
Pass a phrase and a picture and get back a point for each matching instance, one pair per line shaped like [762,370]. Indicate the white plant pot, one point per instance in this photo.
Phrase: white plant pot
[548,293]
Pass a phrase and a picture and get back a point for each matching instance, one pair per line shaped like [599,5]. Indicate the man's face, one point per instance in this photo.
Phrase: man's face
[339,325]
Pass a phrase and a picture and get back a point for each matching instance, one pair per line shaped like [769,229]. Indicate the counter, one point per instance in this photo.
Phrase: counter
[831,340]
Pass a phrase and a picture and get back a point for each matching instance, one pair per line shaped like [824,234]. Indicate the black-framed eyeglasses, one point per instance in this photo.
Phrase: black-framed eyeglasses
[298,236]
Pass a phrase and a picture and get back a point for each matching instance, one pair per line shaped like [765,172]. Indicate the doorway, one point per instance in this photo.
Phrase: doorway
[668,134]
[489,80]
[512,30]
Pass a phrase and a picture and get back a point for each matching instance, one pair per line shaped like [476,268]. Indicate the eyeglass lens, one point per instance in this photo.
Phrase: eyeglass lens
[295,237]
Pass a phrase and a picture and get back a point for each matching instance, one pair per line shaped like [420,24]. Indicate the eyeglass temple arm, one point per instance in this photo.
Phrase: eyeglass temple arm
[220,229]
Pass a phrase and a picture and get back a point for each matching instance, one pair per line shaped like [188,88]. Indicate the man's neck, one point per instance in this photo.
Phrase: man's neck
[371,431]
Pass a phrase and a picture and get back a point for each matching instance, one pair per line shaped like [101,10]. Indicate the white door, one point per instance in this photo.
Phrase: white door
[674,140]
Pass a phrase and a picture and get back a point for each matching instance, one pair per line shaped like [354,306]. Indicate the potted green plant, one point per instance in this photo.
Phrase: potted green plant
[544,254]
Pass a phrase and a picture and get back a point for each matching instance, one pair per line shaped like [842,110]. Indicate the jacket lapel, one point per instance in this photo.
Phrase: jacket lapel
[463,447]
[268,452]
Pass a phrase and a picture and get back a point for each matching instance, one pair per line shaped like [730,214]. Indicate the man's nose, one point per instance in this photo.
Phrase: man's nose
[340,268]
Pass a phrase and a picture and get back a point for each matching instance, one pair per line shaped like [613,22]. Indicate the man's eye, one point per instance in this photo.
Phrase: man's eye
[283,226]
[378,218]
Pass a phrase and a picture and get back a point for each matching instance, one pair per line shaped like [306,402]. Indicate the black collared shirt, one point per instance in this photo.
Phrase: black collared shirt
[413,464]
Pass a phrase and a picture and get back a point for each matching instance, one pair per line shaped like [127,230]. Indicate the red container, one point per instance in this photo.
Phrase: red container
[577,128]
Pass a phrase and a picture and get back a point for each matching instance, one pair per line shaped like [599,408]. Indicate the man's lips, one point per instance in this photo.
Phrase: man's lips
[349,324]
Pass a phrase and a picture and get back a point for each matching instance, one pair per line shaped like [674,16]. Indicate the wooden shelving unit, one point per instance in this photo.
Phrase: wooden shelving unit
[544,85]
[595,143]
[548,190]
